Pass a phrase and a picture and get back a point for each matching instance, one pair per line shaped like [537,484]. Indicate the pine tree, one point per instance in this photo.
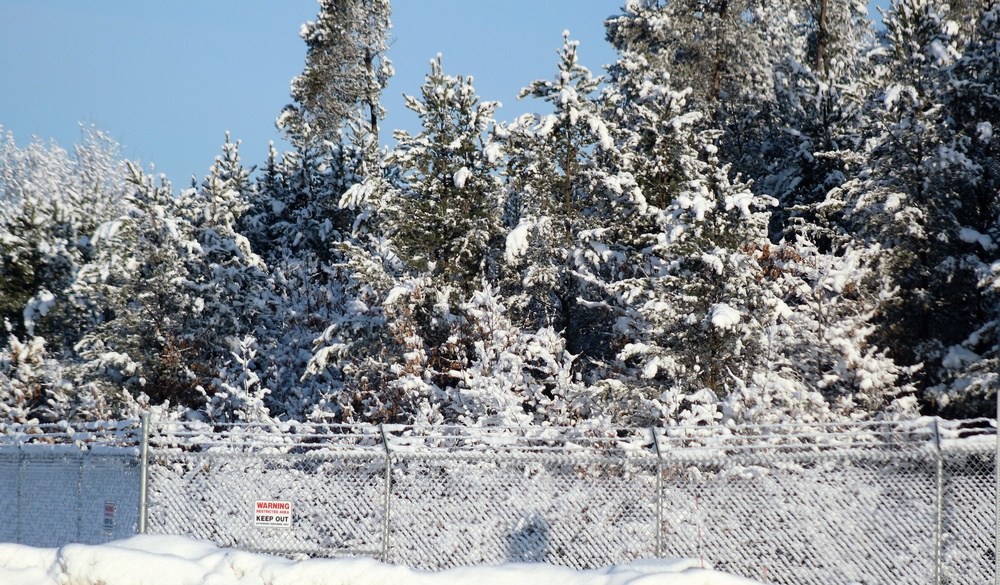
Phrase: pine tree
[820,57]
[444,222]
[238,395]
[226,281]
[556,205]
[910,199]
[306,221]
[704,311]
[819,343]
[132,299]
[50,203]
[32,388]
[299,228]
[346,70]
[718,48]
[512,379]
[691,297]
[970,378]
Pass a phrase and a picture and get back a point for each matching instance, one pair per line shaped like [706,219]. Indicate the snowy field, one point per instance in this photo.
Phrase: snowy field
[176,560]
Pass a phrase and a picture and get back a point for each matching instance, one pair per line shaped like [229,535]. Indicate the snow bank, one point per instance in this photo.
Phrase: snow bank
[177,560]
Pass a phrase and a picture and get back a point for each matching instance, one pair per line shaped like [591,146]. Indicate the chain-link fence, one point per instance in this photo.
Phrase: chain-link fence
[866,503]
[62,484]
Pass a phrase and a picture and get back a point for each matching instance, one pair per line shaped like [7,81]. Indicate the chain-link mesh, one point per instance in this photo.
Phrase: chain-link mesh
[336,504]
[896,506]
[559,510]
[862,504]
[806,520]
[334,481]
[9,500]
[969,515]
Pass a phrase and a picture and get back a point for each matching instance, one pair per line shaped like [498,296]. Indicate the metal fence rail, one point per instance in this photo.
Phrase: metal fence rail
[911,502]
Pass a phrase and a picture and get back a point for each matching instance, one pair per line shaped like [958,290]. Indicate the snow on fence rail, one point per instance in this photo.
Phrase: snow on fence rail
[902,502]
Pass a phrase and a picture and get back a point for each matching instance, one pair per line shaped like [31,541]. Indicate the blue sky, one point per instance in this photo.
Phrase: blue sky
[167,79]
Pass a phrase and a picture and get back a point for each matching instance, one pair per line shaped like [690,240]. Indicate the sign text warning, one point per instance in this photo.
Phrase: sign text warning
[272,514]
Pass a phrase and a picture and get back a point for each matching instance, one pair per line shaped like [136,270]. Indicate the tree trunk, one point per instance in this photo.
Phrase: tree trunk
[822,38]
[720,54]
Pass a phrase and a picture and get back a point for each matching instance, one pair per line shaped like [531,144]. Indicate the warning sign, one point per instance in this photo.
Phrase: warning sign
[272,514]
[109,519]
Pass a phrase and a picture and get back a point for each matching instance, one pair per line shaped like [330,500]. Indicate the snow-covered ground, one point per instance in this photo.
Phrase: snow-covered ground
[177,560]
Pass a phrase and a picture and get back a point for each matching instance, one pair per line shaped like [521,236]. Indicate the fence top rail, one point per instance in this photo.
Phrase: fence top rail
[397,439]
[85,436]
[665,442]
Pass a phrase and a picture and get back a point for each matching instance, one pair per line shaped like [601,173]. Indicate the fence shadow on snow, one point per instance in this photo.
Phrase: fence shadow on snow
[903,502]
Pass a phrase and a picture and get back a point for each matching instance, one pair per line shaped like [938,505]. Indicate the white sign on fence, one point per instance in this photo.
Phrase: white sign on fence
[109,519]
[272,514]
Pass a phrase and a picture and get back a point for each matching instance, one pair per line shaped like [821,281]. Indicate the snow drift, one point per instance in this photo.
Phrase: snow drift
[176,560]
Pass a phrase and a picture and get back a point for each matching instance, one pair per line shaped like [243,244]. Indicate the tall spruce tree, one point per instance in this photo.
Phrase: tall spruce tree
[820,56]
[910,198]
[297,222]
[131,301]
[50,204]
[718,48]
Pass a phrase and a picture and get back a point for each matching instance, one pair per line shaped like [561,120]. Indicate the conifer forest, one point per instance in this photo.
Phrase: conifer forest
[761,212]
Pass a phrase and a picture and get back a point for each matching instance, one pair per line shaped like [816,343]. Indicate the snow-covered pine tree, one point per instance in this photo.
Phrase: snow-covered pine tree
[38,386]
[346,70]
[360,352]
[295,209]
[556,207]
[911,199]
[356,352]
[693,297]
[227,281]
[297,223]
[237,394]
[133,302]
[446,219]
[718,48]
[226,276]
[441,220]
[333,126]
[820,55]
[971,376]
[515,377]
[655,159]
[50,203]
[822,364]
[704,306]
[32,387]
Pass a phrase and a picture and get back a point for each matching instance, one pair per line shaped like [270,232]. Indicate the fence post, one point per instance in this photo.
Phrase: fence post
[939,505]
[20,492]
[386,501]
[144,474]
[659,493]
[79,500]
